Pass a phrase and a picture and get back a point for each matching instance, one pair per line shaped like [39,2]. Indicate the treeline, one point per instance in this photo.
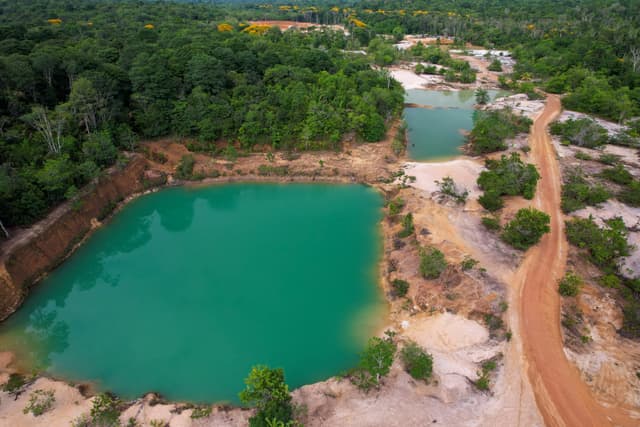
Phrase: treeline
[80,80]
[588,49]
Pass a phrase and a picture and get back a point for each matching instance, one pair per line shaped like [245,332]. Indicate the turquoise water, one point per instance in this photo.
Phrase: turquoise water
[438,132]
[186,289]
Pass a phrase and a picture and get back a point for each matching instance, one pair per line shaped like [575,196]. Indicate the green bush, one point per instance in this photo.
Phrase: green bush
[609,159]
[631,194]
[184,170]
[578,193]
[14,384]
[495,65]
[581,132]
[491,201]
[491,223]
[105,411]
[449,188]
[509,176]
[268,170]
[395,206]
[432,263]
[617,174]
[492,128]
[417,362]
[526,229]
[407,226]
[201,412]
[268,392]
[400,287]
[40,401]
[604,245]
[570,284]
[375,362]
[482,96]
[468,263]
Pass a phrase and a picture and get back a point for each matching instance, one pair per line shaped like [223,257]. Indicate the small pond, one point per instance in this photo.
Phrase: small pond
[437,129]
[187,288]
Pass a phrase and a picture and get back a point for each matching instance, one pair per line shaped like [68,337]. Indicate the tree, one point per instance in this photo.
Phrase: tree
[417,362]
[482,96]
[526,229]
[432,263]
[375,362]
[49,125]
[84,102]
[268,392]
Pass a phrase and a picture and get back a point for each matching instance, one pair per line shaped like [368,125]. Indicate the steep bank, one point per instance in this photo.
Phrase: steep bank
[33,252]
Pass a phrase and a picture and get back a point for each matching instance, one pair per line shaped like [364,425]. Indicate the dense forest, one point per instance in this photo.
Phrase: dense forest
[81,80]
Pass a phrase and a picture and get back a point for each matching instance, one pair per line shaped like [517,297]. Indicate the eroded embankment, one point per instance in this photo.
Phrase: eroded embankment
[36,251]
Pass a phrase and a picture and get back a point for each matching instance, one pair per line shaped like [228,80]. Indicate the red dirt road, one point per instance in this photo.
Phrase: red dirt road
[562,397]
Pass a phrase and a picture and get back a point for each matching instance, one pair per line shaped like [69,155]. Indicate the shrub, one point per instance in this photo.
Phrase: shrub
[395,206]
[578,193]
[14,384]
[407,226]
[267,390]
[495,65]
[570,284]
[417,362]
[509,176]
[604,245]
[201,412]
[610,281]
[491,201]
[482,96]
[185,167]
[581,155]
[400,287]
[609,159]
[432,263]
[526,229]
[617,174]
[468,263]
[581,132]
[104,411]
[375,362]
[491,223]
[449,188]
[631,194]
[492,128]
[40,401]
[268,170]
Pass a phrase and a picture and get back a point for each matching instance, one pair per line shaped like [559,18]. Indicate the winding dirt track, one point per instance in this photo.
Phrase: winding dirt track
[561,395]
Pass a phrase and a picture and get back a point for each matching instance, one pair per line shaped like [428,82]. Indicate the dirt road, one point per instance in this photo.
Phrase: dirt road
[562,397]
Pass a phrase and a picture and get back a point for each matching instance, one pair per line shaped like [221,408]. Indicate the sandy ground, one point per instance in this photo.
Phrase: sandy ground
[410,80]
[519,103]
[464,172]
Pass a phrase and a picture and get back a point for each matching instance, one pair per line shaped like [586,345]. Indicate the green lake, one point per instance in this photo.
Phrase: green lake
[438,132]
[187,288]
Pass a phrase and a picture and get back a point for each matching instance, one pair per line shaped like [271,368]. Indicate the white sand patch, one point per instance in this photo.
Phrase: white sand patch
[447,332]
[410,80]
[464,172]
[611,127]
[519,103]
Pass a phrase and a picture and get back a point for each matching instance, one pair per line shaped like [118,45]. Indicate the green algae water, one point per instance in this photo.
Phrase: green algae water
[439,131]
[187,288]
